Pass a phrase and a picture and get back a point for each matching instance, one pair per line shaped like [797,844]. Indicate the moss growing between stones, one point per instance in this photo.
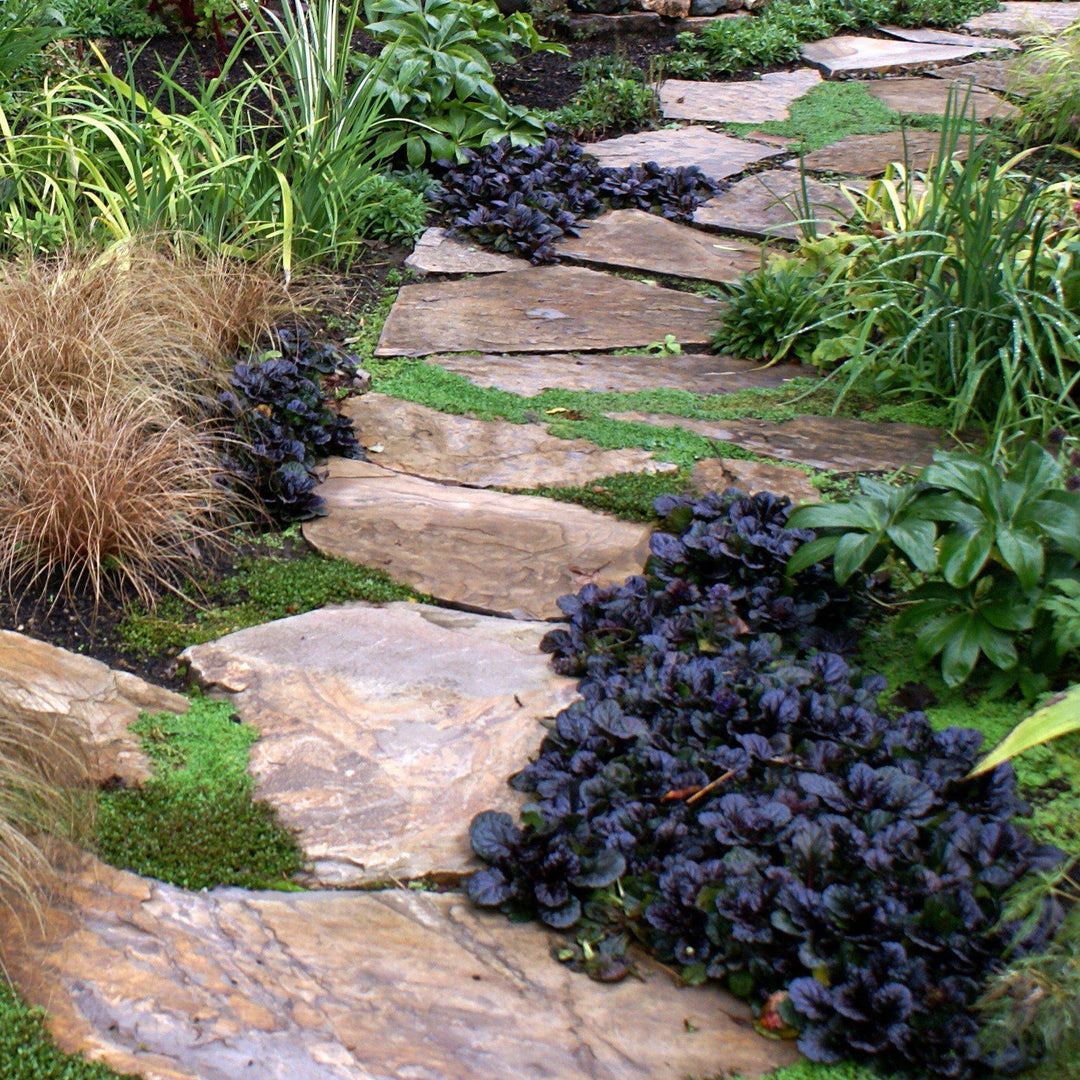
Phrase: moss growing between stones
[629,496]
[195,823]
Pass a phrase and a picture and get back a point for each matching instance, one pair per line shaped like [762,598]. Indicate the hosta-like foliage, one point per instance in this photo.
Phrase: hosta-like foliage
[522,199]
[767,824]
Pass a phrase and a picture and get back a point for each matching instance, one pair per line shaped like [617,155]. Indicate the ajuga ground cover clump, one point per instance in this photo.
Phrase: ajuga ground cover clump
[522,199]
[277,404]
[728,791]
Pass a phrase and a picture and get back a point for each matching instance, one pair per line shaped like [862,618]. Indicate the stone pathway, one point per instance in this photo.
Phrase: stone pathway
[1015,19]
[754,102]
[871,155]
[850,55]
[936,96]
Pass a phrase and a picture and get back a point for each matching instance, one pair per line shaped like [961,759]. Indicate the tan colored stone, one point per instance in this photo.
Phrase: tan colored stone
[483,550]
[41,683]
[717,155]
[159,982]
[936,96]
[776,203]
[848,55]
[1015,19]
[871,155]
[424,442]
[822,442]
[930,35]
[996,75]
[383,730]
[439,252]
[542,309]
[636,240]
[718,474]
[697,373]
[669,9]
[752,102]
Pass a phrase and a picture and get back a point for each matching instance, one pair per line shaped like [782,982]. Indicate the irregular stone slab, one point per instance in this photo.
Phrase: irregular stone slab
[174,985]
[640,241]
[996,75]
[848,54]
[424,442]
[718,474]
[936,96]
[716,155]
[834,443]
[1020,17]
[542,309]
[484,550]
[384,730]
[930,35]
[871,155]
[752,102]
[697,373]
[774,203]
[41,684]
[438,252]
[668,9]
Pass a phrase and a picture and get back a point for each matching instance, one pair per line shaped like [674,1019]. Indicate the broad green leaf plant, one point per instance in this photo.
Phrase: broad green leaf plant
[1057,717]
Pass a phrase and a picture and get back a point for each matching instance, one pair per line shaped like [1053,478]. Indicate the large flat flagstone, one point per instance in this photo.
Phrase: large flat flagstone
[751,102]
[41,685]
[383,730]
[392,985]
[871,155]
[847,54]
[823,442]
[936,96]
[439,252]
[776,203]
[542,309]
[999,75]
[425,442]
[635,240]
[931,35]
[699,373]
[719,474]
[1019,17]
[484,550]
[717,155]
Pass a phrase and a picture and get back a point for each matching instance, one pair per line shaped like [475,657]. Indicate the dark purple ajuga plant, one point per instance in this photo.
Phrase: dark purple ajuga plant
[770,827]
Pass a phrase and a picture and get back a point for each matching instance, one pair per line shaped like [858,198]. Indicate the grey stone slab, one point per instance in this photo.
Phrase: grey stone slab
[635,240]
[870,155]
[438,252]
[542,309]
[850,55]
[916,95]
[751,102]
[435,445]
[999,75]
[929,35]
[717,155]
[483,550]
[696,373]
[1019,17]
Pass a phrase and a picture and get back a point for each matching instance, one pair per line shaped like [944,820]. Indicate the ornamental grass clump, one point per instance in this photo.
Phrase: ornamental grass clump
[728,791]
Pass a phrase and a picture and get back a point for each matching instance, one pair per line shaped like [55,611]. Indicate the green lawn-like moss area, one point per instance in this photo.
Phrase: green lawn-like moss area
[195,823]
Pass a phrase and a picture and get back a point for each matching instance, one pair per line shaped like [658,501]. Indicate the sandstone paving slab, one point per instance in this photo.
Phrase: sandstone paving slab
[716,154]
[931,35]
[389,985]
[41,684]
[998,75]
[776,203]
[936,97]
[698,373]
[850,55]
[871,155]
[751,102]
[383,730]
[1019,17]
[439,252]
[719,474]
[835,443]
[635,240]
[425,442]
[488,551]
[542,309]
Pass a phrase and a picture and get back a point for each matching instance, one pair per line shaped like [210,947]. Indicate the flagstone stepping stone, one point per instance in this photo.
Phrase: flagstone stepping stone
[41,684]
[483,550]
[383,730]
[719,474]
[639,241]
[822,442]
[1015,19]
[438,252]
[155,981]
[541,309]
[930,35]
[717,155]
[436,445]
[871,155]
[751,102]
[698,373]
[846,55]
[996,75]
[936,96]
[774,202]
